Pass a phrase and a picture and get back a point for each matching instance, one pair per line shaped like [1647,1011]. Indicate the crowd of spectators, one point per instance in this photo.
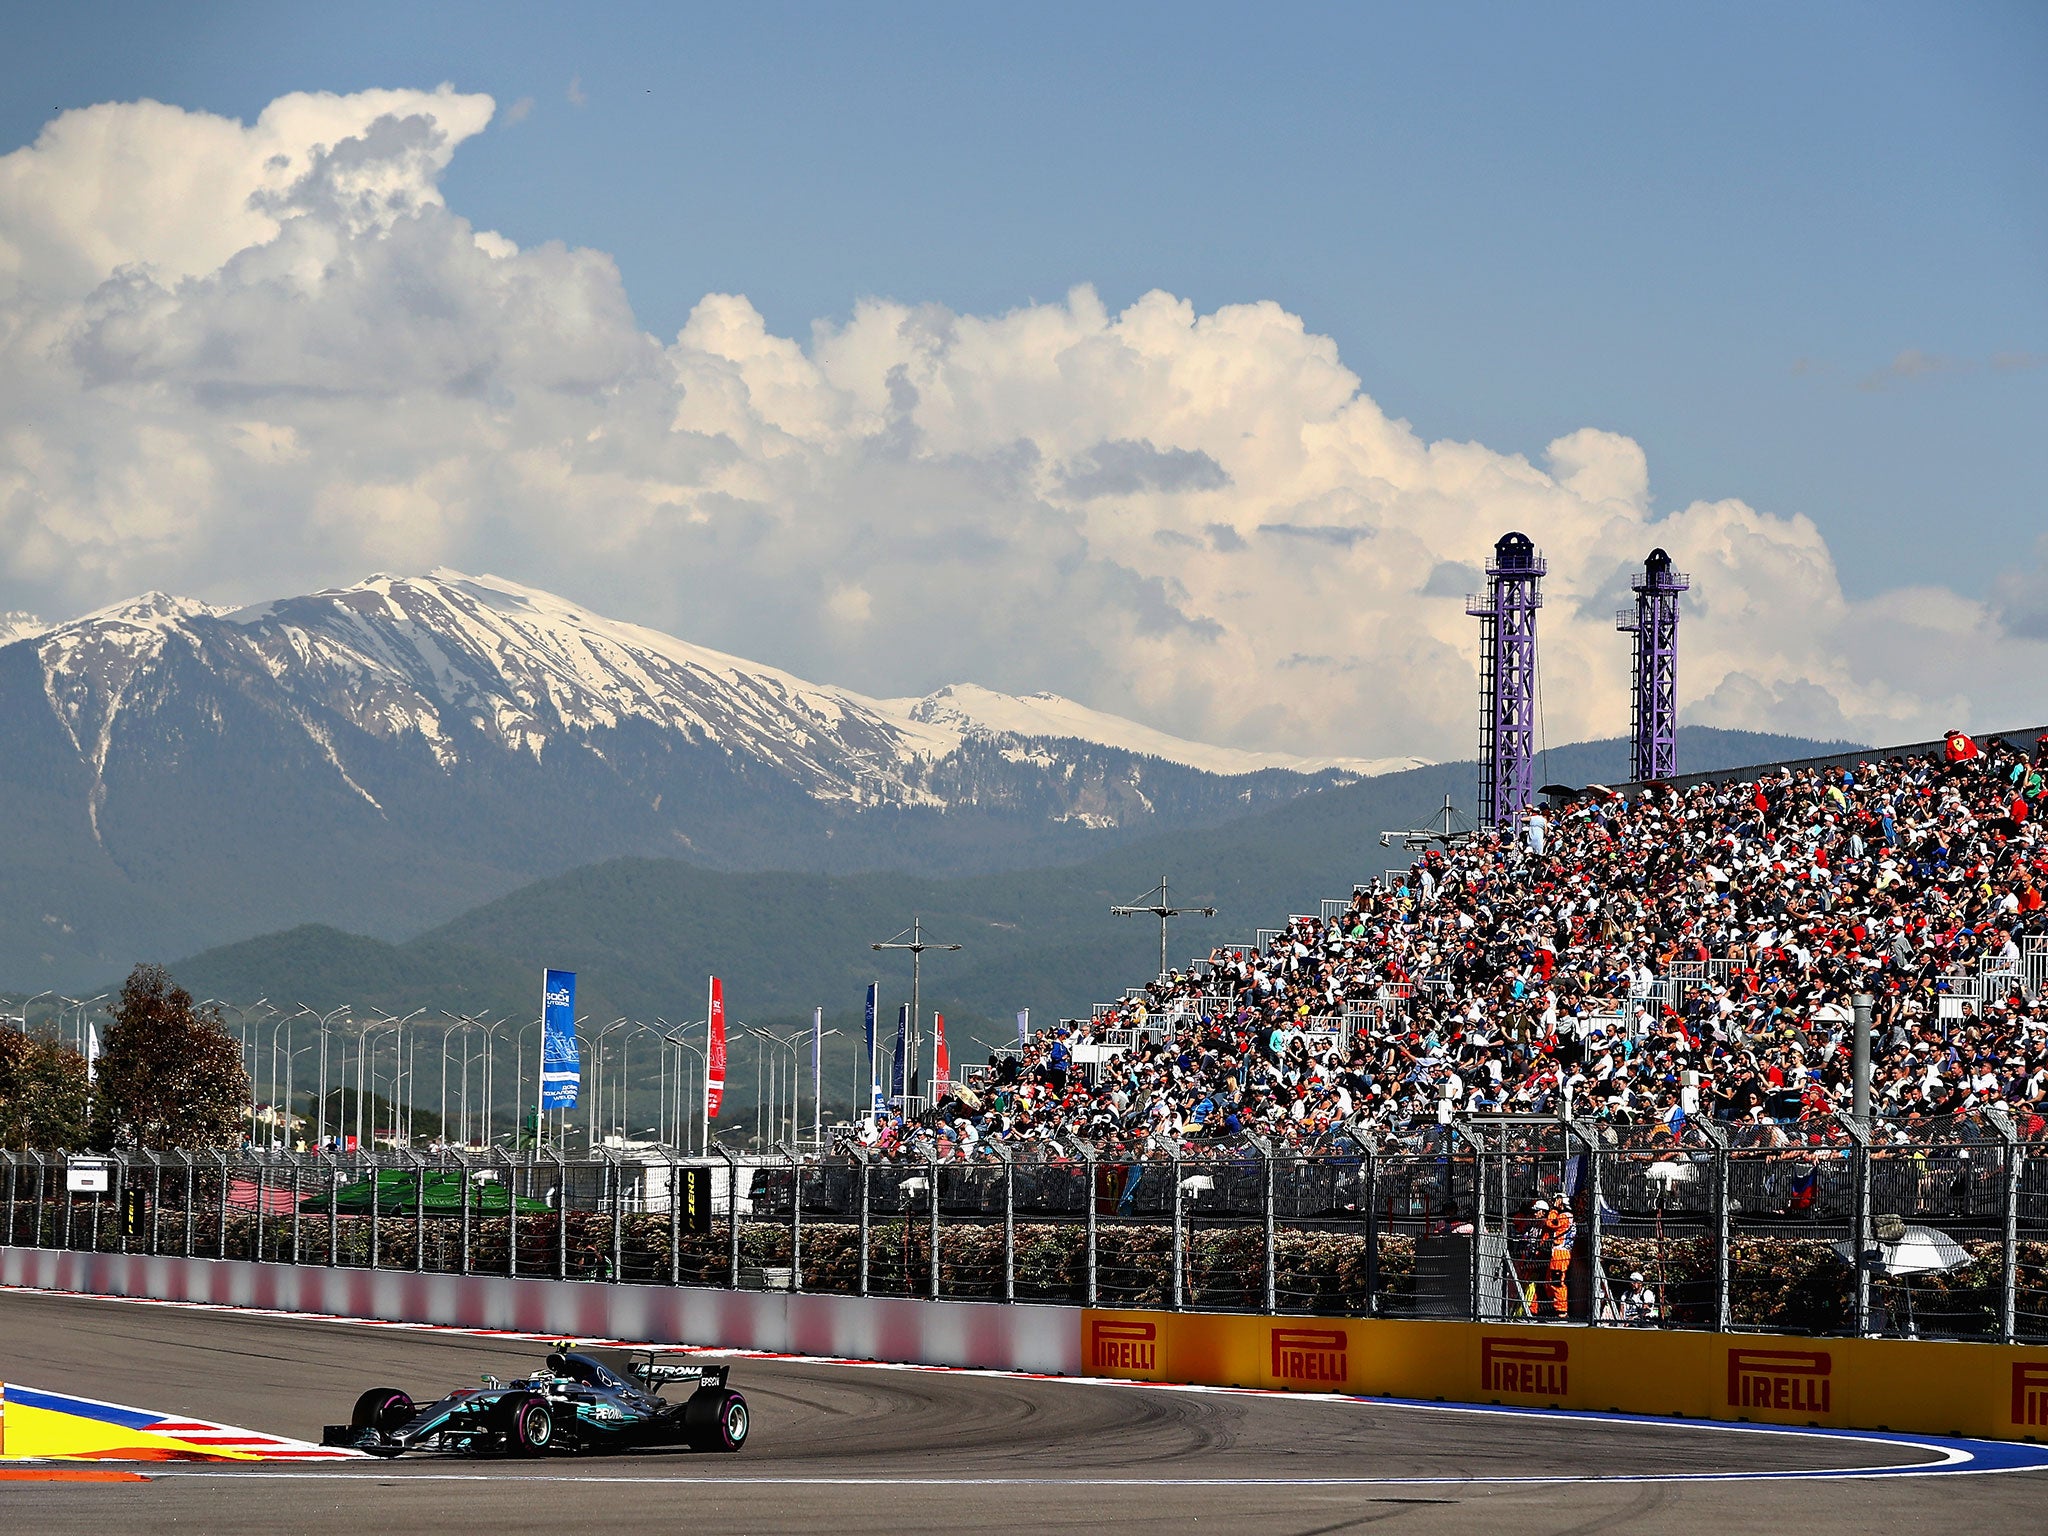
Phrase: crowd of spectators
[1640,959]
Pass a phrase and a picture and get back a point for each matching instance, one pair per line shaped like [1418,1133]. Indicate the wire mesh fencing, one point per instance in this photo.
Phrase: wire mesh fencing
[1935,1228]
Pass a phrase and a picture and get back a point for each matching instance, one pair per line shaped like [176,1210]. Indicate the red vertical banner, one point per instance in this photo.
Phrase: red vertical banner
[714,1056]
[941,1063]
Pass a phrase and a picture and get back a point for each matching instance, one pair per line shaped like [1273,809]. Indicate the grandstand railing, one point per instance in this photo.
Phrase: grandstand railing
[1753,1226]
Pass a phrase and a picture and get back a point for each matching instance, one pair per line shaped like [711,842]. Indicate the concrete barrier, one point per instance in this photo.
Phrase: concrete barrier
[1985,1390]
[1046,1340]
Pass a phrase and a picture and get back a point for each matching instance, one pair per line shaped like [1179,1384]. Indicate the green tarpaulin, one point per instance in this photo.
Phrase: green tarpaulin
[400,1193]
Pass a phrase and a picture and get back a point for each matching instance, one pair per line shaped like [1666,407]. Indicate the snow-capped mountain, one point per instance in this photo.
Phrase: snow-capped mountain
[381,754]
[19,626]
[463,664]
[977,711]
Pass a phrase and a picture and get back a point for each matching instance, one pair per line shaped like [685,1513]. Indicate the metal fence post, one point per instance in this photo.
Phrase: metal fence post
[298,1198]
[376,1210]
[2008,1306]
[1479,1227]
[1372,1220]
[121,1199]
[191,1202]
[1464,1130]
[2009,1248]
[1179,1234]
[332,1174]
[1864,1241]
[1089,1290]
[1722,1217]
[561,1216]
[1270,1201]
[732,1216]
[1009,1223]
[616,1172]
[932,1167]
[156,1197]
[419,1209]
[675,1225]
[796,1219]
[13,1173]
[468,1252]
[509,1181]
[1590,1186]
[861,1156]
[221,1252]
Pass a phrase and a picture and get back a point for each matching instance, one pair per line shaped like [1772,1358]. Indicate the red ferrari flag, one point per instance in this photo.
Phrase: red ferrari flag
[941,1062]
[714,1055]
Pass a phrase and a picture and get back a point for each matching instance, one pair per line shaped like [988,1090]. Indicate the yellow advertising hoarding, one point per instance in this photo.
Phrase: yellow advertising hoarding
[1985,1390]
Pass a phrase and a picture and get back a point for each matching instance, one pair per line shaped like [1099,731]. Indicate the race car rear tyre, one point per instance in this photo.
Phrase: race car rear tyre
[529,1425]
[384,1408]
[716,1420]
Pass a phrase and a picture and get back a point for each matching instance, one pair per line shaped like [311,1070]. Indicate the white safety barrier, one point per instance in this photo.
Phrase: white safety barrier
[979,1335]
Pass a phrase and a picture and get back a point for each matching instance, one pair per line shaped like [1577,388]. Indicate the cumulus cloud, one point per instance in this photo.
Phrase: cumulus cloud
[240,360]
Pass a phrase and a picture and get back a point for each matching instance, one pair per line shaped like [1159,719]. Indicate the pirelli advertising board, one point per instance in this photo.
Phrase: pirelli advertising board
[1985,1390]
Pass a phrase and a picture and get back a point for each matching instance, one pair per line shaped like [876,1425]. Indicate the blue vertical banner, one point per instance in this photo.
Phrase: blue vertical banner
[561,1069]
[874,1075]
[902,1046]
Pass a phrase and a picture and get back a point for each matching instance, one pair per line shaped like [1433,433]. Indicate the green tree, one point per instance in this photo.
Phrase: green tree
[170,1074]
[45,1097]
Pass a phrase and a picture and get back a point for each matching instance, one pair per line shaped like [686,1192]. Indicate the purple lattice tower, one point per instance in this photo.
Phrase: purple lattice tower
[1507,678]
[1654,725]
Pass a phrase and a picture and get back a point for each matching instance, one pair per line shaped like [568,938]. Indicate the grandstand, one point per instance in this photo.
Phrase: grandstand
[1806,991]
[1647,954]
[1666,974]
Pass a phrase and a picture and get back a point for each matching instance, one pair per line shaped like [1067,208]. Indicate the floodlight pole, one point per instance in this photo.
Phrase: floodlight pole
[1161,909]
[917,944]
[1654,623]
[1507,679]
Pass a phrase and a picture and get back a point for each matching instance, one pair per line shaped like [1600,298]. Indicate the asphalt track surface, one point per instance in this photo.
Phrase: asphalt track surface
[852,1448]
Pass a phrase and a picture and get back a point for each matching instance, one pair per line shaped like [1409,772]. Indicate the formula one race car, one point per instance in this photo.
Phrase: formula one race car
[574,1403]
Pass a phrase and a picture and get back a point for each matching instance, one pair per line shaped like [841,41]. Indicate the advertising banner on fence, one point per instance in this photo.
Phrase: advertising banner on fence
[714,1052]
[942,1063]
[1998,1391]
[560,1067]
[896,1089]
[1023,1028]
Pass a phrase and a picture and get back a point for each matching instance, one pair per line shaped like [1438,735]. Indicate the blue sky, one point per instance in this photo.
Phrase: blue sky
[1713,231]
[1787,262]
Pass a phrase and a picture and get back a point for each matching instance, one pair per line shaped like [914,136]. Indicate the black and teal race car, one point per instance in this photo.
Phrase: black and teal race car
[576,1402]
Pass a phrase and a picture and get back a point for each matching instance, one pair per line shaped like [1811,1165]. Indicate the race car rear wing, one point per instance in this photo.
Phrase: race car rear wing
[652,1370]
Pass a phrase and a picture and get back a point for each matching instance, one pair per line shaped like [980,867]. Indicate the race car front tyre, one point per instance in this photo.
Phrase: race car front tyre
[384,1408]
[529,1425]
[716,1420]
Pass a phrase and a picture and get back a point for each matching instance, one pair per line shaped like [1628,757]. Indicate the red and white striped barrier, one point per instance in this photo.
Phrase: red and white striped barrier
[979,1335]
